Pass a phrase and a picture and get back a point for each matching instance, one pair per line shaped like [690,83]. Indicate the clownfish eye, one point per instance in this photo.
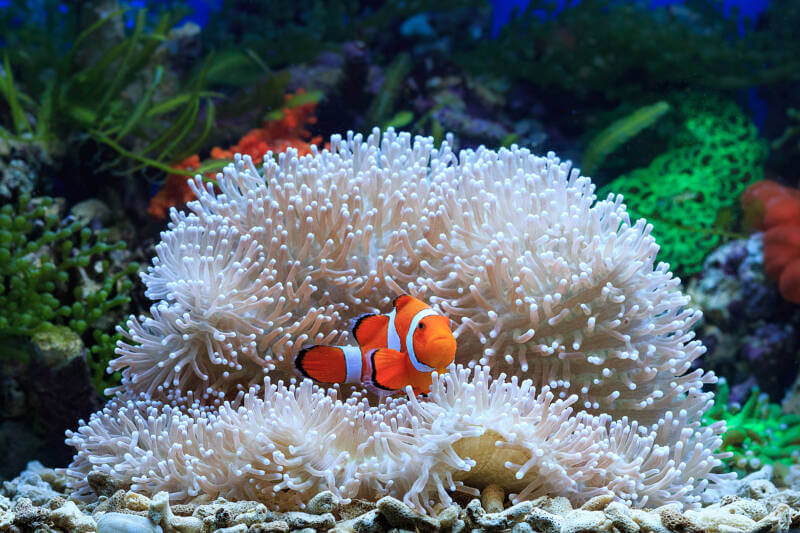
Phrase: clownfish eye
[421,326]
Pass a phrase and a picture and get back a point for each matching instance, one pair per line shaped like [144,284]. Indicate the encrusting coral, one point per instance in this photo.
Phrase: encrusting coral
[541,279]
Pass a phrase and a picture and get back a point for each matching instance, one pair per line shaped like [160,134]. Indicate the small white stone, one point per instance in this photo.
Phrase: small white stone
[125,523]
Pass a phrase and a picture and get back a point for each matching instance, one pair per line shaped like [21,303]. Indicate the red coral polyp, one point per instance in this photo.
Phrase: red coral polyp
[775,208]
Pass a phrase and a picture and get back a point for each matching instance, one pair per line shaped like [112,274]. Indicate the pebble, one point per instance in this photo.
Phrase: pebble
[125,523]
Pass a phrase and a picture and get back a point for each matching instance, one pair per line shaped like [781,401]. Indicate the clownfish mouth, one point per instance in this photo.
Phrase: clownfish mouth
[441,351]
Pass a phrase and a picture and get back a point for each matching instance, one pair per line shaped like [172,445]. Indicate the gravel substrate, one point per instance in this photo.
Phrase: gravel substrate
[36,501]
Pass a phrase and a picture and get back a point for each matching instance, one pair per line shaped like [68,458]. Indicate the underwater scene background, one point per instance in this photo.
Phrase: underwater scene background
[210,211]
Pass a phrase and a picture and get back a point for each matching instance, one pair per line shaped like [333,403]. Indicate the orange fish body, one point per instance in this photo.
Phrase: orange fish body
[395,350]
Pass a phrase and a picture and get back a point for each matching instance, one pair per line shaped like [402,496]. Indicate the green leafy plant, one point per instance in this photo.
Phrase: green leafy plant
[618,133]
[109,90]
[59,274]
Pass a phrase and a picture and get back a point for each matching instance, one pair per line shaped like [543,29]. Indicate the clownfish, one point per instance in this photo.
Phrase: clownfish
[395,350]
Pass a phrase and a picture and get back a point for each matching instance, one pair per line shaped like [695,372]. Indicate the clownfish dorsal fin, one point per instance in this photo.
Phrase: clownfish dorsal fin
[389,369]
[370,328]
[400,301]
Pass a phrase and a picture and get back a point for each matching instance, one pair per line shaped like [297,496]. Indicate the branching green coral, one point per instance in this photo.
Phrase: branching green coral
[758,432]
[51,273]
[689,191]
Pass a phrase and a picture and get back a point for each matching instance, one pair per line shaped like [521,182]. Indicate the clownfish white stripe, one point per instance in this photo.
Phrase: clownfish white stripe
[392,338]
[418,365]
[353,363]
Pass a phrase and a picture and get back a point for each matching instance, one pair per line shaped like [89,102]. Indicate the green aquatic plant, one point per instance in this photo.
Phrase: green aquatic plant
[690,192]
[637,51]
[618,133]
[109,88]
[54,273]
[758,432]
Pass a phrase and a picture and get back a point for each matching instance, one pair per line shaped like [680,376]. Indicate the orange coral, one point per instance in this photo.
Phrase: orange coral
[175,191]
[775,209]
[275,135]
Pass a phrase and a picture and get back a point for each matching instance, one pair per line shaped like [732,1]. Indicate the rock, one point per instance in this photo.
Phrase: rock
[69,518]
[29,484]
[581,520]
[400,515]
[780,519]
[543,521]
[324,502]
[221,514]
[91,212]
[298,520]
[55,346]
[276,526]
[598,503]
[135,502]
[620,518]
[102,484]
[125,523]
[522,527]
[160,513]
[758,489]
[240,528]
[370,522]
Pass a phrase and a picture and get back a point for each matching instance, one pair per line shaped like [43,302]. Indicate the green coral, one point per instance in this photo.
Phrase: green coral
[758,432]
[689,193]
[58,274]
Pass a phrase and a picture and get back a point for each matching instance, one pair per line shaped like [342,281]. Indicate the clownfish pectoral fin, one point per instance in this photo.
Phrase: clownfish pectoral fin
[368,328]
[389,369]
[329,364]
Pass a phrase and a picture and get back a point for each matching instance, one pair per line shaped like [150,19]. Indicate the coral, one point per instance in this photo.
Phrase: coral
[470,432]
[758,433]
[752,334]
[539,276]
[688,191]
[285,130]
[565,290]
[775,209]
[175,192]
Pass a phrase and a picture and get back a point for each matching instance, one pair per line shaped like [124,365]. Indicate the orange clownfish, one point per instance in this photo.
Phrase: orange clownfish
[394,350]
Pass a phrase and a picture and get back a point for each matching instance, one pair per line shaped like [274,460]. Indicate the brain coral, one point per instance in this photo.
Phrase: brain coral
[539,278]
[543,282]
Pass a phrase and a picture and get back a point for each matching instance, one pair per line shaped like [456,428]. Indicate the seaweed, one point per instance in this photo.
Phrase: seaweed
[757,434]
[618,133]
[56,272]
[113,95]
